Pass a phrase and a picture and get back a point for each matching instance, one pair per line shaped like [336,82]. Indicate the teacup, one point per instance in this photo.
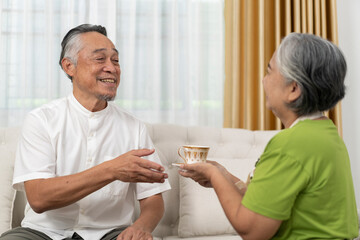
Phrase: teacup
[193,153]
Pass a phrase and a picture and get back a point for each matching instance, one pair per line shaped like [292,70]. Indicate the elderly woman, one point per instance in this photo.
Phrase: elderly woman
[301,187]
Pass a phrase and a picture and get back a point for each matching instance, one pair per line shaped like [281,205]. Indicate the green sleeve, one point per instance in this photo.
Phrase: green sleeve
[277,180]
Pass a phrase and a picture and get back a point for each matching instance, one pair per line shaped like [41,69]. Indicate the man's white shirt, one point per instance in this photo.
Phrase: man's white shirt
[63,138]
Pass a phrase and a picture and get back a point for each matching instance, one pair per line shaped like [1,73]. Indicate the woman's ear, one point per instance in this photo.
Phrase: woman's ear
[295,91]
[68,66]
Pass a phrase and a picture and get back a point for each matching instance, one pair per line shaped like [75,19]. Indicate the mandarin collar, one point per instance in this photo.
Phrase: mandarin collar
[85,111]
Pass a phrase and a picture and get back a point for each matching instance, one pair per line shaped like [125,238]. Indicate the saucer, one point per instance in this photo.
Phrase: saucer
[177,164]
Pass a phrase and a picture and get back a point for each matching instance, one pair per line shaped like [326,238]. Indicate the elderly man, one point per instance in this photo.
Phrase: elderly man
[81,159]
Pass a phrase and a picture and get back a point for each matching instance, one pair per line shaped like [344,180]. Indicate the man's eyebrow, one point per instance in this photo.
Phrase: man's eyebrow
[104,49]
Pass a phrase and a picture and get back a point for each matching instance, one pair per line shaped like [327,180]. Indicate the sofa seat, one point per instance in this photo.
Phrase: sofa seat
[216,237]
[191,211]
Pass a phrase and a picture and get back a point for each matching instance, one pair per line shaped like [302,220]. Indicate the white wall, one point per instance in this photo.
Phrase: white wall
[349,41]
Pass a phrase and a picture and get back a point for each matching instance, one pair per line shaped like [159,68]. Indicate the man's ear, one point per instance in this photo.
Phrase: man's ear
[68,66]
[295,91]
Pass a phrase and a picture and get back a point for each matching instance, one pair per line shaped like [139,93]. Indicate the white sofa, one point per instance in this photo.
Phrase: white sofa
[191,211]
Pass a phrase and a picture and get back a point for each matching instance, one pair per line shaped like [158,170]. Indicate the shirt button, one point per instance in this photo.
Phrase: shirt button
[89,159]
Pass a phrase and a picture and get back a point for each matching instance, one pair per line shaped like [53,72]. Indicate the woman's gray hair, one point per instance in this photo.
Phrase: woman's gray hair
[317,66]
[71,44]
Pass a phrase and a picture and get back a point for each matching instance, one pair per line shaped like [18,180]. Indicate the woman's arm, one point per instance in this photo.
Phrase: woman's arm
[247,223]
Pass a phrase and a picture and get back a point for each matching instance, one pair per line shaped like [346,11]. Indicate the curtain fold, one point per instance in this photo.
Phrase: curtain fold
[253,30]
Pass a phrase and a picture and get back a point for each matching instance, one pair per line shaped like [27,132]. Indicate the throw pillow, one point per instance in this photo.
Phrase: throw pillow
[7,193]
[8,143]
[200,210]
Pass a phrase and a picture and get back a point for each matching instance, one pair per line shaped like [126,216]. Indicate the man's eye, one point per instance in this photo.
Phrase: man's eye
[100,59]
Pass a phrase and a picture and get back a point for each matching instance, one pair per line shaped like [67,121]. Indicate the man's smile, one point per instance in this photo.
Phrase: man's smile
[107,80]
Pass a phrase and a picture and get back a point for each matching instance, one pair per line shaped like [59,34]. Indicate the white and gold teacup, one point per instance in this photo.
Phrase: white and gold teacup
[193,153]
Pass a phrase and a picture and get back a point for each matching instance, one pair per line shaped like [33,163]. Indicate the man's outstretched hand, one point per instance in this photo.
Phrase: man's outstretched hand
[131,167]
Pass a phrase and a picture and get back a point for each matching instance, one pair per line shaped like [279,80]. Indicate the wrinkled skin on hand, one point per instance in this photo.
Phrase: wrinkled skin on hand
[133,233]
[131,167]
[200,172]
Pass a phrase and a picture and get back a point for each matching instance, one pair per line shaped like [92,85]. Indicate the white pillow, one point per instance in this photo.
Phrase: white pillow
[7,193]
[200,210]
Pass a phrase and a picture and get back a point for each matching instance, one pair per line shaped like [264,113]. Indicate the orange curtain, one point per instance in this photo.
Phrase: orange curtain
[253,30]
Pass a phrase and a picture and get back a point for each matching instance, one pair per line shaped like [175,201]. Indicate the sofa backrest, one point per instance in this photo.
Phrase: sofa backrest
[237,149]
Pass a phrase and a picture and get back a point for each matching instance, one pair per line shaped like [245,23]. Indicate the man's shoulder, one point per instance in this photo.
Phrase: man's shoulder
[49,110]
[53,104]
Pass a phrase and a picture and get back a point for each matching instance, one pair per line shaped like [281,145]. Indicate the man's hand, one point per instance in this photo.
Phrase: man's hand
[130,167]
[57,192]
[133,233]
[151,211]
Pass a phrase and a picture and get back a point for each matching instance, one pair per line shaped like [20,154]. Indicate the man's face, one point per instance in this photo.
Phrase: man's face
[96,75]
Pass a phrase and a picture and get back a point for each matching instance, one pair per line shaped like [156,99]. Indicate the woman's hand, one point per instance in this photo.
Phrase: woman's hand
[225,172]
[199,172]
[219,166]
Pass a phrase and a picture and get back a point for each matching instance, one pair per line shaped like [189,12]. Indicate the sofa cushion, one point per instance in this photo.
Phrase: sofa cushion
[8,141]
[200,210]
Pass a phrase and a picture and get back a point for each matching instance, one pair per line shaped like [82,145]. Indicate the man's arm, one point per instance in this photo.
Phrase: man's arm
[53,193]
[152,210]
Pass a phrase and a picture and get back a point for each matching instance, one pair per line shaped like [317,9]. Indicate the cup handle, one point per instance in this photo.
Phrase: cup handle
[179,149]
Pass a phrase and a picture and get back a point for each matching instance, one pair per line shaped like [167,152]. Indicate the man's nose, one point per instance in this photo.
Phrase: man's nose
[110,66]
